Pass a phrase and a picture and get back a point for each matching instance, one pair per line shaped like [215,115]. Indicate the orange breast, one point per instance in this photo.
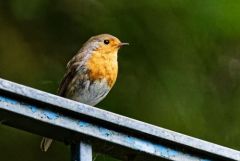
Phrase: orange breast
[103,66]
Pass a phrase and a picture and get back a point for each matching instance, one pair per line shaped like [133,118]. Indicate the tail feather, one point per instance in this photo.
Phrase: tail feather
[45,144]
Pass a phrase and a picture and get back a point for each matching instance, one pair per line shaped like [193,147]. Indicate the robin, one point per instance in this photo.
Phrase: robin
[91,73]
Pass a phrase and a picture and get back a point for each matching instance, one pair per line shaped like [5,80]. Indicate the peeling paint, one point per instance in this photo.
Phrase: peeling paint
[172,152]
[33,108]
[165,151]
[8,100]
[130,139]
[105,131]
[155,148]
[51,115]
[83,124]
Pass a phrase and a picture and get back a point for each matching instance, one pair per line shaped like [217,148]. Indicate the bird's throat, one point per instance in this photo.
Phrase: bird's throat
[103,66]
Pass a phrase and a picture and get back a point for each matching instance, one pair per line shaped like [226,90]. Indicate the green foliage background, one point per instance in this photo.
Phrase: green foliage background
[181,71]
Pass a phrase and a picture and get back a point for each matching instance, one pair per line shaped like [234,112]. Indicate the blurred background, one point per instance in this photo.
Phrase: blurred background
[181,71]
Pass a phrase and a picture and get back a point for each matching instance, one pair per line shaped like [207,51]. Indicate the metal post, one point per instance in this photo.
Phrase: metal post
[81,152]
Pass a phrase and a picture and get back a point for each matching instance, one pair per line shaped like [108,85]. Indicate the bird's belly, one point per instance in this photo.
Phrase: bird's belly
[91,93]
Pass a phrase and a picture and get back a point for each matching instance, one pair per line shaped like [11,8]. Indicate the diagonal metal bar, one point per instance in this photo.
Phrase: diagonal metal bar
[118,136]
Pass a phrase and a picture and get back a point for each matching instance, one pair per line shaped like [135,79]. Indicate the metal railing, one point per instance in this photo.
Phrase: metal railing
[90,129]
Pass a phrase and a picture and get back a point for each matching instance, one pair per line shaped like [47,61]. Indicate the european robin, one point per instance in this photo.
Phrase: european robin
[91,73]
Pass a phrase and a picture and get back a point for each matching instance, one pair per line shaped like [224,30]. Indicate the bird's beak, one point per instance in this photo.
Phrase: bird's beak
[122,44]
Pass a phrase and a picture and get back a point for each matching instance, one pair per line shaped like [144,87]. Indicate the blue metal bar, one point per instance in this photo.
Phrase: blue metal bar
[118,136]
[81,151]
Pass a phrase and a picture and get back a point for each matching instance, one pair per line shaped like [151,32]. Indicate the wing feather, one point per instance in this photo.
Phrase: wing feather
[73,68]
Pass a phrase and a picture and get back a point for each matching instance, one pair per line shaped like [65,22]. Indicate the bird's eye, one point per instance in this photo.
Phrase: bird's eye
[106,42]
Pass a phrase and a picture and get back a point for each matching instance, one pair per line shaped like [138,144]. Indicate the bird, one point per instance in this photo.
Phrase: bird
[90,74]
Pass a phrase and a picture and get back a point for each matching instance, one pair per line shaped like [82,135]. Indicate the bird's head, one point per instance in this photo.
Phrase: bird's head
[104,43]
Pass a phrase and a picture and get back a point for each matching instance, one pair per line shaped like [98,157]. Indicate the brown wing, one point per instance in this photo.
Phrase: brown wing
[72,69]
[65,82]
